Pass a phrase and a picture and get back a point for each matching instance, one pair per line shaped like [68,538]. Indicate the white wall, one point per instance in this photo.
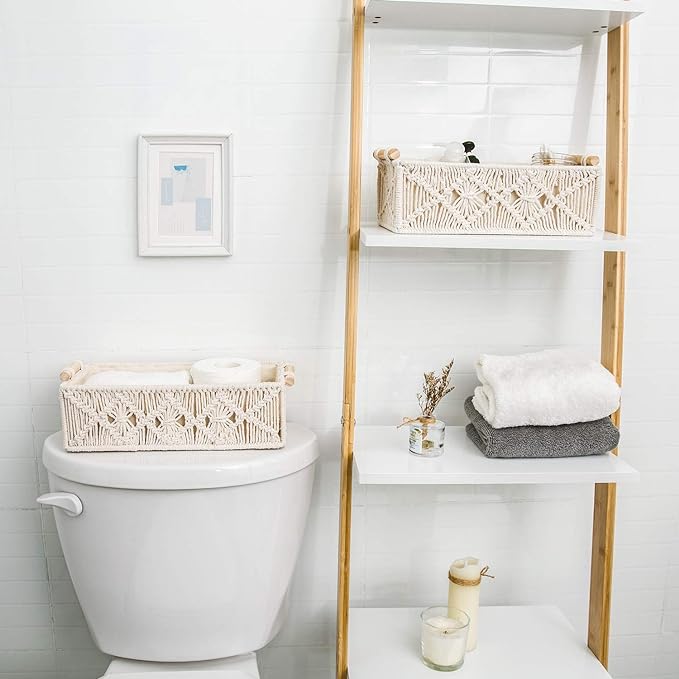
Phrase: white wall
[80,80]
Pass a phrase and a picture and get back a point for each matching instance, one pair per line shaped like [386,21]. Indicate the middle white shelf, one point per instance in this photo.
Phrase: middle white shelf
[381,457]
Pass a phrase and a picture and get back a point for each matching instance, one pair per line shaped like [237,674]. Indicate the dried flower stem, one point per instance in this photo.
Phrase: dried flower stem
[434,388]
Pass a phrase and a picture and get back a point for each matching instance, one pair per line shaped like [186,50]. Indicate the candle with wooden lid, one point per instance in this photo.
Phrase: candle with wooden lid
[464,589]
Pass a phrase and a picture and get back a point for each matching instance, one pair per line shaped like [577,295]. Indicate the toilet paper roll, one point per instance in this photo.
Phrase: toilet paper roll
[226,371]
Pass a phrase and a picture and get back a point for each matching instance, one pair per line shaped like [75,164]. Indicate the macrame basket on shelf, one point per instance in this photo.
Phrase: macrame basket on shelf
[177,417]
[419,196]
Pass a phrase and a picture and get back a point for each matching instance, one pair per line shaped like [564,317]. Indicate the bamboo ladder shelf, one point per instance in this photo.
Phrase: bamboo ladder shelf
[382,639]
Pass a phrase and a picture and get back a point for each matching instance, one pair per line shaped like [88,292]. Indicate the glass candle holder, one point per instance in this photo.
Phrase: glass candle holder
[444,638]
[427,437]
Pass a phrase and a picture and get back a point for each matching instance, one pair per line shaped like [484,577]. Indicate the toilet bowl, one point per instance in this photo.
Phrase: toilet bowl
[181,561]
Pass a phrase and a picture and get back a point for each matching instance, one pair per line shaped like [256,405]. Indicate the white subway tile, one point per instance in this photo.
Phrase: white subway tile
[24,615]
[21,569]
[24,593]
[429,68]
[544,69]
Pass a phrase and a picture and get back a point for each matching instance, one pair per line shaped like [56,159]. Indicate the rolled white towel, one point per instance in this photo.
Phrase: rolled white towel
[545,388]
[138,378]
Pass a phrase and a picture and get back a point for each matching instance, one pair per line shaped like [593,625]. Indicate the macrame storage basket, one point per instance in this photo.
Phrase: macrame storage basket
[418,196]
[176,417]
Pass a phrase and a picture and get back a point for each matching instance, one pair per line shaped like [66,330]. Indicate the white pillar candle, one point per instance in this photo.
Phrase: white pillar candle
[464,589]
[444,639]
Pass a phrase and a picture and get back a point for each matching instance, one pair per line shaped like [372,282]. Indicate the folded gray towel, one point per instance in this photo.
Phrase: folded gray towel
[564,440]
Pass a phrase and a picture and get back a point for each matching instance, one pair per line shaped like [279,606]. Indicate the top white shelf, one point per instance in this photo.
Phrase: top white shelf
[373,236]
[581,18]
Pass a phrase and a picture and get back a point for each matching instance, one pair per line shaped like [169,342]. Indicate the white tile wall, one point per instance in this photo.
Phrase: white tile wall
[80,80]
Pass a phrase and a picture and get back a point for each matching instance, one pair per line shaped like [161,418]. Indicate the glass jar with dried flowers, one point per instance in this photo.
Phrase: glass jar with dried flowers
[427,433]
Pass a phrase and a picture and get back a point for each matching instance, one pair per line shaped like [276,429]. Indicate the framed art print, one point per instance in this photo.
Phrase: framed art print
[185,196]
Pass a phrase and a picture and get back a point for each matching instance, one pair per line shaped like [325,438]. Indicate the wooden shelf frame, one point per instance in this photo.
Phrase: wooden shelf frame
[617,115]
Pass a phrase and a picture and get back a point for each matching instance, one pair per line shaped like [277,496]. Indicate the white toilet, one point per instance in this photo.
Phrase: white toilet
[182,560]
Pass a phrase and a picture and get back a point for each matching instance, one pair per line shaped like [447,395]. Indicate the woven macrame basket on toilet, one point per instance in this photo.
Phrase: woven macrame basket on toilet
[418,196]
[99,418]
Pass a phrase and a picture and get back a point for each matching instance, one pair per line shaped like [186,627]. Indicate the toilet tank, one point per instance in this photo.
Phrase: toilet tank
[183,556]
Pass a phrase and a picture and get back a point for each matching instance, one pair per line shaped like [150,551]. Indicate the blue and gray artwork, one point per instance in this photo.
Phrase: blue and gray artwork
[185,189]
[166,190]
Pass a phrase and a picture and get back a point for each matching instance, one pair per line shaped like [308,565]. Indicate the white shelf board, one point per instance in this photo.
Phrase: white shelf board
[580,18]
[374,236]
[381,457]
[515,642]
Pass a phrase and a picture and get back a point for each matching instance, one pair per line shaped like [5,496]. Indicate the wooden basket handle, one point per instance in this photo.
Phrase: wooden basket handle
[70,371]
[289,375]
[588,161]
[386,154]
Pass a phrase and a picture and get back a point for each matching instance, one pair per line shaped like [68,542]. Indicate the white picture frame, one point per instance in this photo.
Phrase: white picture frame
[185,195]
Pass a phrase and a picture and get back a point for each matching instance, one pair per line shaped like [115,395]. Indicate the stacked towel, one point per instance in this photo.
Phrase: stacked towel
[546,388]
[565,440]
[547,404]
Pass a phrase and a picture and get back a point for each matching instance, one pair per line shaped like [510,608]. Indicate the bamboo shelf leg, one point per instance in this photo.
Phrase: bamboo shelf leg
[611,329]
[350,323]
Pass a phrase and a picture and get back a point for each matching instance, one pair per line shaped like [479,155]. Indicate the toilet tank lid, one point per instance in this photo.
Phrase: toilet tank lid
[178,470]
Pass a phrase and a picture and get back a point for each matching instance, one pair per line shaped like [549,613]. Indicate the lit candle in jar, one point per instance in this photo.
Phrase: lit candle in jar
[444,637]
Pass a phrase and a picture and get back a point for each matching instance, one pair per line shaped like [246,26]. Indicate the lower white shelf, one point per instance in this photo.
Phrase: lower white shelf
[515,642]
[381,457]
